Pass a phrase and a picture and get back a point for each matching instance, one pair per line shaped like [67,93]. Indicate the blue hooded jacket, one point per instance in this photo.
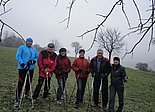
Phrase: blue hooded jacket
[24,54]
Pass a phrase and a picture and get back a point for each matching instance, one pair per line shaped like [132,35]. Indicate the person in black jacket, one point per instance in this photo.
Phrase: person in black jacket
[100,68]
[118,77]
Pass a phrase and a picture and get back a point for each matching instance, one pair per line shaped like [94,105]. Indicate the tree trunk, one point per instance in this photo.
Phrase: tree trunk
[110,53]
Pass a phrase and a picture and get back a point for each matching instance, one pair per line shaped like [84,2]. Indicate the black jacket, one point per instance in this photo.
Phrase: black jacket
[118,75]
[104,66]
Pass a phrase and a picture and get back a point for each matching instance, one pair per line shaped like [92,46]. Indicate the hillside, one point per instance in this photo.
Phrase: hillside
[139,95]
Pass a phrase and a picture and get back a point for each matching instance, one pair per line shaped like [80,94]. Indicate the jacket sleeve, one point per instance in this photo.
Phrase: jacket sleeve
[40,61]
[124,76]
[36,55]
[54,64]
[108,67]
[88,68]
[74,66]
[91,66]
[69,66]
[19,55]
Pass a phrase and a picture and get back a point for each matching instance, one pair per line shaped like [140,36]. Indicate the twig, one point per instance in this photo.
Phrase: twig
[131,51]
[139,15]
[5,12]
[56,3]
[1,32]
[125,13]
[101,24]
[69,14]
[152,26]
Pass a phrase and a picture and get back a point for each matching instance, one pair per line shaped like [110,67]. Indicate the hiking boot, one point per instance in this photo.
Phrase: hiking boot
[95,105]
[27,95]
[104,109]
[59,102]
[62,97]
[16,104]
[76,106]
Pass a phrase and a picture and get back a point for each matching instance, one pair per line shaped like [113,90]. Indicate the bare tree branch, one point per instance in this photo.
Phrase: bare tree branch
[1,32]
[5,12]
[56,3]
[5,24]
[152,26]
[140,19]
[4,4]
[131,51]
[125,13]
[69,14]
[96,29]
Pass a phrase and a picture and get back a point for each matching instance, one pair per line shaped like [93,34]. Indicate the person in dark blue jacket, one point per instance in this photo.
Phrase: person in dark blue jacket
[26,56]
[118,78]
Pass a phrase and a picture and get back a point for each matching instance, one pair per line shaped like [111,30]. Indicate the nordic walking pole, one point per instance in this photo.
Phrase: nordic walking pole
[63,91]
[23,91]
[73,89]
[92,90]
[31,90]
[89,93]
[47,80]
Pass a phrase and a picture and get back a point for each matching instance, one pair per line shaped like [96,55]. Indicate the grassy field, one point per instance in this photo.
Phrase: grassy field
[139,95]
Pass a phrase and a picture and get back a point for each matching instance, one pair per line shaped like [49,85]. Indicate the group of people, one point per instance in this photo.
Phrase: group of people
[49,62]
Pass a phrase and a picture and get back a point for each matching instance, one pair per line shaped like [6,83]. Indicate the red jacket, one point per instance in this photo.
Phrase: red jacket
[63,67]
[46,60]
[83,64]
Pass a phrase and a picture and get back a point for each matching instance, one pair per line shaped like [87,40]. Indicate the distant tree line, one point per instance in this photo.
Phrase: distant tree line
[11,40]
[144,67]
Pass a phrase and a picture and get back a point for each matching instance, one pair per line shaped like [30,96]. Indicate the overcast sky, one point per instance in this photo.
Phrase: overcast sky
[40,19]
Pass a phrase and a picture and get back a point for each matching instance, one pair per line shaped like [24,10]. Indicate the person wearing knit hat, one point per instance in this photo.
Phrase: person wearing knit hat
[26,56]
[118,78]
[61,71]
[81,68]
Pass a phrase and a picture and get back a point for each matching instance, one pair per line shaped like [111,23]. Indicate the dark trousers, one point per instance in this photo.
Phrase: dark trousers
[21,78]
[120,91]
[104,90]
[61,87]
[81,85]
[39,85]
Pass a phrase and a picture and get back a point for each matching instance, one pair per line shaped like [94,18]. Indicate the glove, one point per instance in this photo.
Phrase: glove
[24,66]
[64,71]
[87,72]
[103,75]
[31,62]
[93,74]
[80,70]
[125,80]
[47,71]
[42,70]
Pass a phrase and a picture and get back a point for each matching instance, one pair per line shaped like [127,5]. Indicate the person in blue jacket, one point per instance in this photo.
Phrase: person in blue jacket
[26,56]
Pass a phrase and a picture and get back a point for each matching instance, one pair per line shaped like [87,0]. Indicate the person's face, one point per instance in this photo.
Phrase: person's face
[81,54]
[116,62]
[62,53]
[29,44]
[50,49]
[100,54]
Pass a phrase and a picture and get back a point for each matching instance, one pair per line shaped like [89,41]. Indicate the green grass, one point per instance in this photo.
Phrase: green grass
[139,97]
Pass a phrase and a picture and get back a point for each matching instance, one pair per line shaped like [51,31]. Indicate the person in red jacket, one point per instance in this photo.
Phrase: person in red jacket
[81,69]
[47,63]
[62,69]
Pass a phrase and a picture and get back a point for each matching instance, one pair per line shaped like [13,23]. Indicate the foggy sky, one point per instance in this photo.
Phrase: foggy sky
[40,19]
